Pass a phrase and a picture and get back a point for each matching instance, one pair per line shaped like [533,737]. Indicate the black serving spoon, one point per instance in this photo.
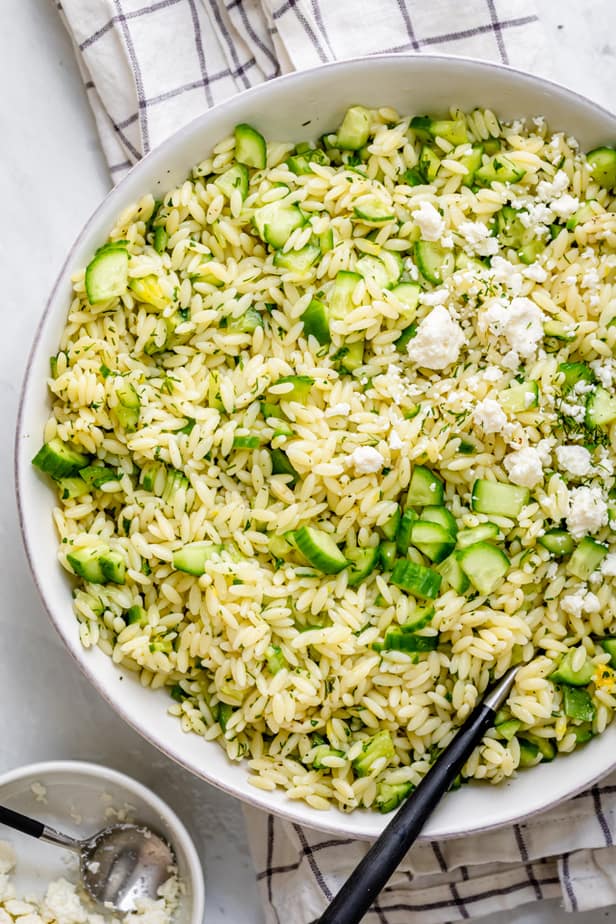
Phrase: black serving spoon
[368,878]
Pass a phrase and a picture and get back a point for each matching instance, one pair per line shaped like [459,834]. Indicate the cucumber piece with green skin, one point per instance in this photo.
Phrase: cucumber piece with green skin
[235,178]
[276,222]
[107,274]
[388,552]
[403,534]
[508,227]
[425,489]
[174,481]
[242,441]
[298,261]
[250,146]
[413,177]
[582,732]
[484,565]
[282,466]
[509,729]
[586,558]
[319,549]
[192,558]
[529,252]
[452,572]
[326,240]
[247,323]
[482,533]
[416,579]
[546,746]
[578,704]
[429,163]
[363,562]
[602,163]
[564,673]
[128,407]
[341,300]
[147,289]
[113,567]
[434,262]
[149,476]
[161,239]
[60,460]
[491,145]
[390,527]
[379,747]
[301,387]
[390,795]
[354,130]
[316,322]
[300,162]
[574,373]
[433,540]
[520,397]
[585,212]
[136,615]
[86,563]
[276,661]
[372,209]
[498,498]
[600,408]
[437,514]
[498,169]
[609,645]
[421,617]
[408,293]
[225,711]
[472,162]
[452,130]
[405,337]
[353,356]
[374,269]
[557,541]
[323,751]
[529,753]
[397,640]
[559,330]
[71,487]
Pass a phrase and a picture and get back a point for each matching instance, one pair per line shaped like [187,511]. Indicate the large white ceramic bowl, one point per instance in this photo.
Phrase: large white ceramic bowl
[295,107]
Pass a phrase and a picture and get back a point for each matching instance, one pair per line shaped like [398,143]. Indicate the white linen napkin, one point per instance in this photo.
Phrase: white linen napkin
[150,68]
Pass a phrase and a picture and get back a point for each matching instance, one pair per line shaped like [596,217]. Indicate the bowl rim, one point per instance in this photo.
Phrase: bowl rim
[176,826]
[257,798]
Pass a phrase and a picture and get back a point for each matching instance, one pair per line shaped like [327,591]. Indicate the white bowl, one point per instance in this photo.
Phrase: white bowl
[295,107]
[76,798]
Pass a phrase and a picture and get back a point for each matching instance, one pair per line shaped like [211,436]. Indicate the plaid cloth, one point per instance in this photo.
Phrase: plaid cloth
[149,68]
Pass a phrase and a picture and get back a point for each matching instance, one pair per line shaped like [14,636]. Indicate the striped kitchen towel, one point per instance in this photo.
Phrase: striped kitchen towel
[149,68]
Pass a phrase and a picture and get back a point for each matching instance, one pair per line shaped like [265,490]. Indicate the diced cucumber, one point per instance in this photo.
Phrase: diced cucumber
[147,289]
[416,579]
[60,460]
[299,163]
[405,337]
[302,386]
[586,558]
[192,558]
[149,475]
[351,356]
[564,673]
[250,147]
[434,262]
[319,549]
[275,659]
[225,711]
[482,533]
[242,441]
[322,751]
[443,516]
[582,732]
[247,323]
[498,169]
[397,640]
[174,481]
[341,300]
[545,746]
[129,404]
[378,748]
[279,546]
[235,178]
[484,565]
[578,704]
[372,268]
[390,527]
[529,252]
[161,239]
[429,163]
[603,166]
[529,753]
[425,489]
[508,228]
[316,323]
[559,330]
[203,274]
[373,209]
[609,645]
[390,795]
[363,562]
[451,570]
[509,729]
[403,535]
[574,373]
[557,541]
[282,466]
[413,177]
[472,162]
[498,498]
[421,617]
[408,293]
[452,130]
[388,553]
[113,567]
[492,145]
[276,221]
[98,564]
[69,488]
[107,274]
[433,540]
[354,130]
[585,212]
[520,397]
[136,615]
[298,261]
[326,240]
[600,408]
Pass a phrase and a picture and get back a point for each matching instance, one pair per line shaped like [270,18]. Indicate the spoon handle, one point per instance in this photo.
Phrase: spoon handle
[37,829]
[368,878]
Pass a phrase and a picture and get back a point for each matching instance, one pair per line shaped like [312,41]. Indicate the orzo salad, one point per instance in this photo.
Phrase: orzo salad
[332,434]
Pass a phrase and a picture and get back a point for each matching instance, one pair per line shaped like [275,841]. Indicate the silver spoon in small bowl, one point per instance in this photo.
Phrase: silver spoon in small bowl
[119,865]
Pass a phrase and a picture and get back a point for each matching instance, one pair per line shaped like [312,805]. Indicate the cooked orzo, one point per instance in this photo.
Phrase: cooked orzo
[333,437]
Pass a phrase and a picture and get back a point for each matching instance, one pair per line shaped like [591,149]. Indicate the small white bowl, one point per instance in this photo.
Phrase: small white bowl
[75,798]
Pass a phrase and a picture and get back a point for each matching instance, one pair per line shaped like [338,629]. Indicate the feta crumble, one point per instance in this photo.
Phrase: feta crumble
[507,274]
[555,189]
[489,415]
[520,321]
[576,460]
[431,222]
[587,511]
[438,340]
[524,467]
[478,238]
[579,603]
[338,410]
[394,441]
[535,272]
[565,206]
[366,460]
[608,565]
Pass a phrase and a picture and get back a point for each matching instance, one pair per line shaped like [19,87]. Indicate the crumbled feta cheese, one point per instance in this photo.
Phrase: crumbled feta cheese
[519,321]
[604,370]
[544,448]
[338,410]
[580,602]
[608,565]
[438,340]
[411,269]
[536,217]
[492,374]
[478,237]
[587,511]
[507,274]
[576,412]
[524,467]
[535,272]
[590,279]
[436,297]
[565,206]
[366,460]
[604,462]
[576,460]
[431,222]
[555,189]
[489,415]
[394,440]
[511,360]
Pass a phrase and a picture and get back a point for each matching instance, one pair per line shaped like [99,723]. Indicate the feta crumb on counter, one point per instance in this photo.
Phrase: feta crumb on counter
[580,602]
[587,511]
[438,340]
[524,467]
[489,415]
[431,222]
[576,460]
[366,460]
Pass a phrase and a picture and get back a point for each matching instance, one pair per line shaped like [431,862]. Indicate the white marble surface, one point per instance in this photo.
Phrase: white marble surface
[52,175]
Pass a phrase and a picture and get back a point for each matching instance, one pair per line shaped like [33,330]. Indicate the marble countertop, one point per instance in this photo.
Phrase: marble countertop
[52,177]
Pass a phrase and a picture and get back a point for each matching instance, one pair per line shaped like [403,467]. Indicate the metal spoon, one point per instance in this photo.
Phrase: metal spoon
[119,865]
